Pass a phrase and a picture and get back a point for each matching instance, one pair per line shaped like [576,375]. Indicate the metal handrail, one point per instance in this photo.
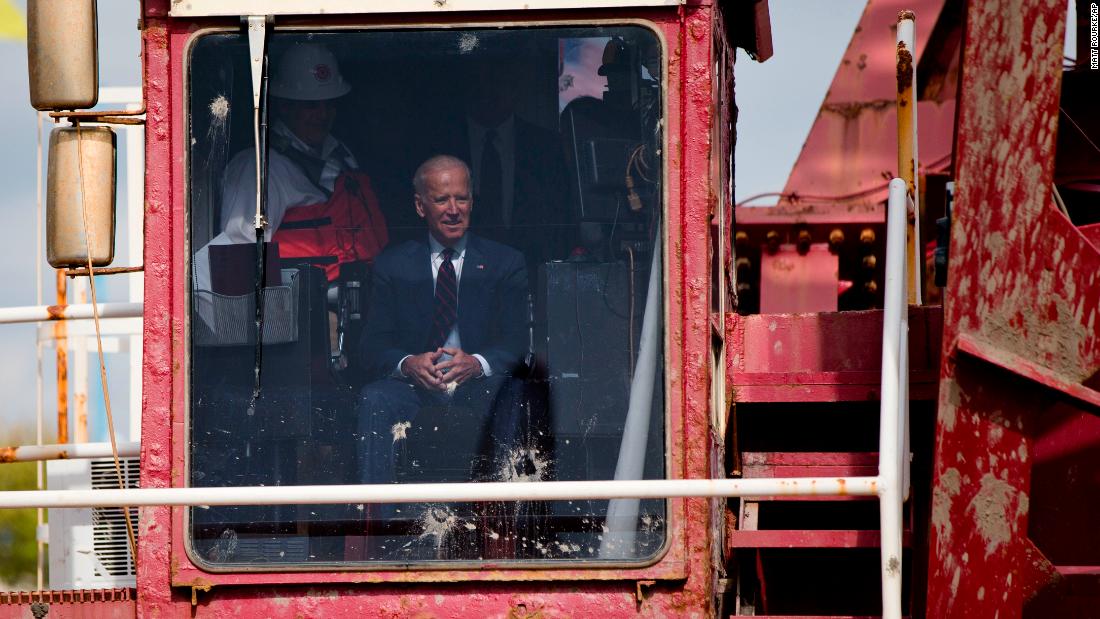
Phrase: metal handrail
[78,311]
[893,457]
[66,451]
[441,492]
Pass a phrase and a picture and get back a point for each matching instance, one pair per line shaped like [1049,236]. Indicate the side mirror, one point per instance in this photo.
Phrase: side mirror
[62,58]
[74,185]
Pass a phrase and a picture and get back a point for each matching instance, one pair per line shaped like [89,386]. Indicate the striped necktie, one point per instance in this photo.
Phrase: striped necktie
[445,313]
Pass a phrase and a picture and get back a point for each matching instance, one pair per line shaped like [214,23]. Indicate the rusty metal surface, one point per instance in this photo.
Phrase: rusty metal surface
[67,596]
[163,334]
[69,604]
[110,117]
[80,380]
[1022,285]
[685,578]
[811,214]
[908,159]
[772,464]
[689,288]
[105,271]
[61,342]
[851,149]
[439,600]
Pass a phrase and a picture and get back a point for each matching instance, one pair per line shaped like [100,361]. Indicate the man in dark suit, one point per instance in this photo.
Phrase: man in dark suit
[446,327]
[517,170]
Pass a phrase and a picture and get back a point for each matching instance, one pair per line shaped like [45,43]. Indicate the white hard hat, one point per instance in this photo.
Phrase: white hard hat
[308,72]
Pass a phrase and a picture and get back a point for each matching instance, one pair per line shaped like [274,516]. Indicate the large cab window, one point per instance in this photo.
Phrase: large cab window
[461,280]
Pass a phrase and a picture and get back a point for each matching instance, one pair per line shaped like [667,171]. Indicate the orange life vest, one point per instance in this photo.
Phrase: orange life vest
[347,228]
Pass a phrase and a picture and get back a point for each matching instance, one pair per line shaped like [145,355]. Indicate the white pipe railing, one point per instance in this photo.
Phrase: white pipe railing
[894,407]
[80,311]
[66,451]
[436,492]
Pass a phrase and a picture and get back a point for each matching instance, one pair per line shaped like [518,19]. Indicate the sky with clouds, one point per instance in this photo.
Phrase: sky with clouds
[776,112]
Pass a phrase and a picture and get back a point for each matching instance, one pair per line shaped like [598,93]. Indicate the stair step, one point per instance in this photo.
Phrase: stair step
[771,464]
[844,386]
[827,357]
[807,539]
[780,464]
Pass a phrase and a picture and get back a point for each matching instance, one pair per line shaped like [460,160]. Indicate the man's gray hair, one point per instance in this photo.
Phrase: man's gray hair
[437,162]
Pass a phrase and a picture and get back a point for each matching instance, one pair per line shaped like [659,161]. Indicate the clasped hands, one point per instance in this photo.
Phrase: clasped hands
[427,371]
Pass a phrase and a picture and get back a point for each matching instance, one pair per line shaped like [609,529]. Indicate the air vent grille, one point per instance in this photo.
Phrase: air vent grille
[108,524]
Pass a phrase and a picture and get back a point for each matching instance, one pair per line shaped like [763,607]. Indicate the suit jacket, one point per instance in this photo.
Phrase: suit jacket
[492,305]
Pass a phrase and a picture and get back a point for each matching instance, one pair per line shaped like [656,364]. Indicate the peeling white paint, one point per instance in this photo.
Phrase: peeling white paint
[399,429]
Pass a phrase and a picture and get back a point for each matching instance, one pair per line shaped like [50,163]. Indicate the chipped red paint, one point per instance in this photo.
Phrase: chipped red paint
[691,260]
[162,385]
[1022,285]
[684,576]
[853,142]
[828,357]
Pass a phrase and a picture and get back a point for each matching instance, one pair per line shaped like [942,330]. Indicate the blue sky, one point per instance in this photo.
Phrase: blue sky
[776,113]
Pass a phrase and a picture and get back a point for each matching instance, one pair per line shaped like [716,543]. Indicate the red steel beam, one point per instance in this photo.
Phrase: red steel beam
[1021,285]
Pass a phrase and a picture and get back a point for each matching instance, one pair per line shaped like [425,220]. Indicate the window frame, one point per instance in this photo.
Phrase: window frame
[668,563]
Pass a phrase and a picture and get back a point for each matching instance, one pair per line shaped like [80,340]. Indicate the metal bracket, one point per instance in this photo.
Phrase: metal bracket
[205,588]
[256,26]
[257,36]
[103,271]
[639,590]
[102,117]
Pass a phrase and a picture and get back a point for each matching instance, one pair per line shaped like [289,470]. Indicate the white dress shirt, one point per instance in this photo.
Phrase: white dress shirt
[506,146]
[454,339]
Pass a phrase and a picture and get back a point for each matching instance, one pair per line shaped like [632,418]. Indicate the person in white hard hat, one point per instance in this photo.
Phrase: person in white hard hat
[319,206]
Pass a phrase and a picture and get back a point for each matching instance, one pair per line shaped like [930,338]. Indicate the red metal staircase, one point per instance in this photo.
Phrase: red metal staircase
[806,405]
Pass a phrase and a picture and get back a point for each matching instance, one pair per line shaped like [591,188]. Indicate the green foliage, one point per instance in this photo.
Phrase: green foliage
[18,553]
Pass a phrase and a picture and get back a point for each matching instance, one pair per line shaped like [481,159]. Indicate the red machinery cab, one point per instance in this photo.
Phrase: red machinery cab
[496,243]
[576,130]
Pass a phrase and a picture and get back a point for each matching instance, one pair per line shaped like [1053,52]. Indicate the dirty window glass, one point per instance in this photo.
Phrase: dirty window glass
[460,282]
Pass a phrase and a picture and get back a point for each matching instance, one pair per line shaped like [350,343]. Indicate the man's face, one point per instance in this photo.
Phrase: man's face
[311,121]
[446,203]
